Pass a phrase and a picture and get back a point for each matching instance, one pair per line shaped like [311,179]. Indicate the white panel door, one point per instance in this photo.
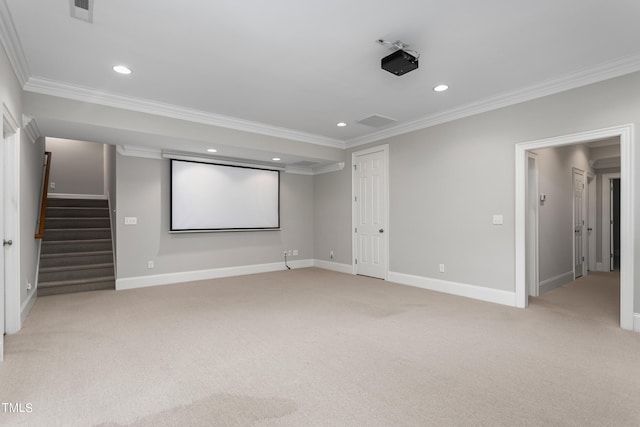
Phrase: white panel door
[370,211]
[2,313]
[578,215]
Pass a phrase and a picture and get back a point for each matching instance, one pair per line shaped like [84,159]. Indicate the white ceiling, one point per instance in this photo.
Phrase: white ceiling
[304,66]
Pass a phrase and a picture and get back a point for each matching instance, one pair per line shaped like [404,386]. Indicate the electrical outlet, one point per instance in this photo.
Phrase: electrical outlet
[441,267]
[295,252]
[289,253]
[28,285]
[130,220]
[285,253]
[150,264]
[331,255]
[52,185]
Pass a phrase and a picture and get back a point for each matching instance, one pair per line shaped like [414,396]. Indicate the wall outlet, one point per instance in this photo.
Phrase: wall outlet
[150,264]
[331,255]
[295,252]
[130,220]
[441,267]
[28,285]
[289,253]
[52,185]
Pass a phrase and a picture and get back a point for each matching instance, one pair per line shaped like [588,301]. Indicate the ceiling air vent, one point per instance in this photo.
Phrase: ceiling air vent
[377,121]
[82,9]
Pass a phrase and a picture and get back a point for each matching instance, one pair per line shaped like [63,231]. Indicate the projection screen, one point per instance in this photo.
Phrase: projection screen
[215,197]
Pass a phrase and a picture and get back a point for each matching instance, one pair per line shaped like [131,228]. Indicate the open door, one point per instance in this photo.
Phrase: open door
[578,216]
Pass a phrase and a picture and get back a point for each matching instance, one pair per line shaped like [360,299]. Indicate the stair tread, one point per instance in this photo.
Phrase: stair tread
[72,254]
[53,242]
[55,283]
[77,229]
[76,267]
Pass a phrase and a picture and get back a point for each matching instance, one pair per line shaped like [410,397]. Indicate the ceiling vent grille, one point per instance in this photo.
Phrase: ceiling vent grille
[377,121]
[82,9]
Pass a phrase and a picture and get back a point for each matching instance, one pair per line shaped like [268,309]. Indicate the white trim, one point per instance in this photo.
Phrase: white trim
[30,128]
[556,281]
[76,196]
[354,238]
[533,261]
[334,167]
[144,152]
[11,43]
[584,77]
[636,322]
[215,273]
[627,138]
[92,96]
[460,289]
[333,266]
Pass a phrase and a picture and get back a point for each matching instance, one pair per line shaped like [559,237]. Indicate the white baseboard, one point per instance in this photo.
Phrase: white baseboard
[461,289]
[27,305]
[333,266]
[555,282]
[76,196]
[215,273]
[636,322]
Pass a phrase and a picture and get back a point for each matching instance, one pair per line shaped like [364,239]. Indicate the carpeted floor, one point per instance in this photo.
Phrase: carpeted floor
[311,347]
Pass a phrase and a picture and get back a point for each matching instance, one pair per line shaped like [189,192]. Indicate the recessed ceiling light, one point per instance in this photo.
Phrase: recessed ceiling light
[341,124]
[276,159]
[441,88]
[122,69]
[212,150]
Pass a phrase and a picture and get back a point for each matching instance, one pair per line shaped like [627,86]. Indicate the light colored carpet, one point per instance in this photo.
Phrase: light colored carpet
[317,348]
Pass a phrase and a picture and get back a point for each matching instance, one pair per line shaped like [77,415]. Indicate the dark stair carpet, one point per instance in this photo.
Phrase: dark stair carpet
[77,252]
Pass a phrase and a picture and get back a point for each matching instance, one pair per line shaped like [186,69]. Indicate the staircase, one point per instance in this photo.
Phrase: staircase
[77,253]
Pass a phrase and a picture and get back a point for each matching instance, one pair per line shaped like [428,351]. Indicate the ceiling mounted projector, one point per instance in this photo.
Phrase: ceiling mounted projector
[401,61]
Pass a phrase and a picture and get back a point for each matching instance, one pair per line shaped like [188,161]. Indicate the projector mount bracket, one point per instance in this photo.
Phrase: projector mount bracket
[398,45]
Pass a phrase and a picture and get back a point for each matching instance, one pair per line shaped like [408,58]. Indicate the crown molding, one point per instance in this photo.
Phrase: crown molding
[30,128]
[11,43]
[334,167]
[609,70]
[79,93]
[134,151]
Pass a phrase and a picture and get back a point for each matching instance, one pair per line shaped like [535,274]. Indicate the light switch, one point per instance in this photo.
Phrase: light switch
[498,220]
[130,220]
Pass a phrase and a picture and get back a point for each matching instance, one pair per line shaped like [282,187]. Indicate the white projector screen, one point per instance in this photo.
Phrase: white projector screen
[214,197]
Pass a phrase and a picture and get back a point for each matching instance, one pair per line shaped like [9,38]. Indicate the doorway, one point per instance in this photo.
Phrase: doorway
[627,202]
[614,244]
[370,212]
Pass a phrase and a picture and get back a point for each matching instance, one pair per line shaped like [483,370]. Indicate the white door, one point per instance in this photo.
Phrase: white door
[2,314]
[533,288]
[370,212]
[578,216]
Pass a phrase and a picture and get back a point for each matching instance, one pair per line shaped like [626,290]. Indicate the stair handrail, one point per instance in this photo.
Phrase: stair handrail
[43,200]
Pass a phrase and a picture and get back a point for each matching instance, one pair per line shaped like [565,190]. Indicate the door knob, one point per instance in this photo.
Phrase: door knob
[381,230]
[7,242]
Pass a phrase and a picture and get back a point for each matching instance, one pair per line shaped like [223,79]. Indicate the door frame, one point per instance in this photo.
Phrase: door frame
[385,188]
[11,170]
[626,135]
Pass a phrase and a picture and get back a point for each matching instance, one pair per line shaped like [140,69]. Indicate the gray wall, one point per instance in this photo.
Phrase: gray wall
[555,179]
[77,167]
[110,188]
[31,171]
[446,182]
[143,192]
